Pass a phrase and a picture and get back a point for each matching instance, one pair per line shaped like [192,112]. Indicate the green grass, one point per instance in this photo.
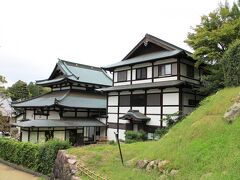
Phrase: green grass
[202,144]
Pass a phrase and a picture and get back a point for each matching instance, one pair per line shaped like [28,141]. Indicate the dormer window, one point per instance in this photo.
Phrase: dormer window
[122,76]
[141,73]
[165,70]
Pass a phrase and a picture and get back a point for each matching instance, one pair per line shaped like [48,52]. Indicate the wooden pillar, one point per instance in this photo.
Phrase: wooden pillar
[28,134]
[145,107]
[178,69]
[161,107]
[106,117]
[180,101]
[118,113]
[37,134]
[131,75]
[152,72]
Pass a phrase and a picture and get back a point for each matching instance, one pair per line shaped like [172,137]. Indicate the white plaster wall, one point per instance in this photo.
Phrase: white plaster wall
[129,75]
[111,135]
[59,135]
[153,110]
[165,79]
[33,137]
[113,100]
[29,114]
[115,77]
[171,99]
[41,137]
[102,131]
[155,120]
[142,81]
[53,115]
[124,109]
[112,109]
[121,83]
[112,118]
[24,136]
[165,61]
[170,110]
[149,72]
[134,74]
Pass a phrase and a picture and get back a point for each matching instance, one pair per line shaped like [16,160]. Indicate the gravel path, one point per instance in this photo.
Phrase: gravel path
[9,173]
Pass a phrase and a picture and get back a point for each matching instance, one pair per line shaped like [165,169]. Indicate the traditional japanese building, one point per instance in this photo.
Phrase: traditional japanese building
[72,111]
[155,79]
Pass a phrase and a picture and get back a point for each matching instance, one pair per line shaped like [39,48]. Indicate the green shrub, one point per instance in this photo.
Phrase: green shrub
[159,132]
[133,136]
[112,142]
[38,157]
[48,153]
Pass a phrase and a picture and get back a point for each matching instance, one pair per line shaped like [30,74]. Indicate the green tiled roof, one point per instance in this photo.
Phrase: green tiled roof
[146,58]
[78,122]
[66,98]
[79,73]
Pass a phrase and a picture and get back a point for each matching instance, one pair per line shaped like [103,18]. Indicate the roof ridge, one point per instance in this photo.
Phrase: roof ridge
[63,62]
[84,65]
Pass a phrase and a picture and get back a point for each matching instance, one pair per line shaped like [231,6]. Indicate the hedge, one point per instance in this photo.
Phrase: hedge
[38,157]
[133,136]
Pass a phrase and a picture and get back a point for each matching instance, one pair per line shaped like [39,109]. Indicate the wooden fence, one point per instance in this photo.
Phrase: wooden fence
[90,174]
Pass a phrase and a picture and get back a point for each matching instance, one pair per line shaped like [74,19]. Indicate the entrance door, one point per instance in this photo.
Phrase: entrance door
[80,137]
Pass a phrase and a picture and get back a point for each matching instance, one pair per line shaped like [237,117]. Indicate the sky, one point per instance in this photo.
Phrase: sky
[35,33]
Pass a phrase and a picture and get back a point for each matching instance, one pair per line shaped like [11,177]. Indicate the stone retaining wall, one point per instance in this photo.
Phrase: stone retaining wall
[65,167]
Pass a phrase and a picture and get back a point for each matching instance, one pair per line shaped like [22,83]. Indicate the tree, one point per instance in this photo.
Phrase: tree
[231,65]
[36,90]
[2,81]
[212,38]
[19,91]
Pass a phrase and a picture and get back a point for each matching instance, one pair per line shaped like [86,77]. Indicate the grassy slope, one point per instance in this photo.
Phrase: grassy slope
[202,143]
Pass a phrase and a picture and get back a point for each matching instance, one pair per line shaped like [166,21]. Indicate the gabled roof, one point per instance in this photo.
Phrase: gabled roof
[150,49]
[67,98]
[146,58]
[165,46]
[135,115]
[74,72]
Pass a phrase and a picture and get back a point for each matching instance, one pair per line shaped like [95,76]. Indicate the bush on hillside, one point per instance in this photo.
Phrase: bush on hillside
[231,65]
[133,136]
[38,157]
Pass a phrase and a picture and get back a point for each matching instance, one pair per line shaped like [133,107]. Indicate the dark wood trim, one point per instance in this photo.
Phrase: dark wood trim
[180,101]
[131,74]
[178,69]
[28,134]
[106,117]
[113,79]
[190,78]
[65,134]
[37,134]
[161,107]
[118,113]
[152,72]
[145,99]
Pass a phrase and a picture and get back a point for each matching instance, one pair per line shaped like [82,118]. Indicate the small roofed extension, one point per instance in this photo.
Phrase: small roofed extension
[73,111]
[155,79]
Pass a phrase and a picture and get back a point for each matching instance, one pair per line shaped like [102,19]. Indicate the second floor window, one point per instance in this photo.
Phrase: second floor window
[141,73]
[138,100]
[121,76]
[165,69]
